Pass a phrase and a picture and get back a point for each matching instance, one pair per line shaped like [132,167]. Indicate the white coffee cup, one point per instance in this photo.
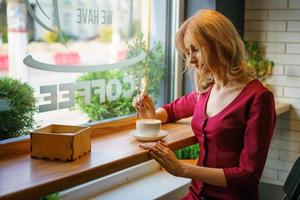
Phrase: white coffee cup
[148,127]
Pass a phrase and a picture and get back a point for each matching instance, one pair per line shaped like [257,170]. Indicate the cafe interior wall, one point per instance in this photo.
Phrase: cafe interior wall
[276,25]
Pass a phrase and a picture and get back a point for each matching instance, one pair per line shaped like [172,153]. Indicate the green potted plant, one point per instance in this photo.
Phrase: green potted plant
[188,153]
[263,67]
[18,119]
[151,66]
[54,196]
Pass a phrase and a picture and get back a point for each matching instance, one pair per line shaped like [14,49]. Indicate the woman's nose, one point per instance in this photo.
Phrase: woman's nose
[193,59]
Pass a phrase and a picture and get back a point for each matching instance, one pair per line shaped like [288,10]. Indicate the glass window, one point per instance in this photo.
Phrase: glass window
[67,2]
[3,40]
[86,60]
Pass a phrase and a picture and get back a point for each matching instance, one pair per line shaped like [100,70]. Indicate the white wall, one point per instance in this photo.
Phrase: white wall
[276,24]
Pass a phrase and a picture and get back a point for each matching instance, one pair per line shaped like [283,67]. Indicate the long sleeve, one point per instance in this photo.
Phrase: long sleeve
[258,134]
[182,107]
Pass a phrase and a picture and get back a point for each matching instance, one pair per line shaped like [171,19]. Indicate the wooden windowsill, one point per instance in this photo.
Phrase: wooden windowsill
[112,150]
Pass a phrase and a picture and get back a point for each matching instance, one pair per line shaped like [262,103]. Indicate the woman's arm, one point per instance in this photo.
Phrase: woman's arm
[161,114]
[167,159]
[257,139]
[213,176]
[180,108]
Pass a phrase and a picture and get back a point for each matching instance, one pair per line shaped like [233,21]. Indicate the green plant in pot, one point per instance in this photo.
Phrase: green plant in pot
[190,152]
[263,67]
[54,196]
[152,67]
[18,118]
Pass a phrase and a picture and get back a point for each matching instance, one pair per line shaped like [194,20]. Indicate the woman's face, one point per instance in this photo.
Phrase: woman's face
[194,55]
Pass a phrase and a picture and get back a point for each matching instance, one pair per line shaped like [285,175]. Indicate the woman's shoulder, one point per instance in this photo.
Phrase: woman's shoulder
[256,89]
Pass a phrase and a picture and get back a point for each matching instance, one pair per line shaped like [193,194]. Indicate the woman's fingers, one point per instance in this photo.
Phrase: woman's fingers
[156,148]
[152,146]
[147,145]
[154,152]
[142,99]
[158,158]
[163,144]
[148,100]
[148,105]
[137,101]
[144,106]
[137,104]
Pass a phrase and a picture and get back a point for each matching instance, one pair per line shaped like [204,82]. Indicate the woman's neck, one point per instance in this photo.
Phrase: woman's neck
[220,83]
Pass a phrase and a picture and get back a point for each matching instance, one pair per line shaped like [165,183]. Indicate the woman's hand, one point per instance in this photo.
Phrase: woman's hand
[165,157]
[144,107]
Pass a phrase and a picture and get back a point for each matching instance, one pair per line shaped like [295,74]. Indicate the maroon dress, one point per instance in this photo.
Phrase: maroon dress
[236,139]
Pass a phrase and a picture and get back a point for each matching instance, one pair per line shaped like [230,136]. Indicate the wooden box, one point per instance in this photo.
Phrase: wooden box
[60,142]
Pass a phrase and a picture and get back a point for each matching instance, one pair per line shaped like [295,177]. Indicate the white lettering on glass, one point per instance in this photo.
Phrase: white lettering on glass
[93,16]
[130,83]
[99,88]
[67,90]
[113,90]
[51,98]
[84,89]
[110,91]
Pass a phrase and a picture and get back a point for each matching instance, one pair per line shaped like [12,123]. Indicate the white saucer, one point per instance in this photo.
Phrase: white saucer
[159,136]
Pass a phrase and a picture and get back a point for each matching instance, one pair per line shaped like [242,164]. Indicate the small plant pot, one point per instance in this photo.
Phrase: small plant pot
[189,161]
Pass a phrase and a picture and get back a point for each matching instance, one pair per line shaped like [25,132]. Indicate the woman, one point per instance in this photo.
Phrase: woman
[233,115]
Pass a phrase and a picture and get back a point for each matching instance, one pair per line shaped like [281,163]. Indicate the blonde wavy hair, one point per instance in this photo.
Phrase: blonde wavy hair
[221,48]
